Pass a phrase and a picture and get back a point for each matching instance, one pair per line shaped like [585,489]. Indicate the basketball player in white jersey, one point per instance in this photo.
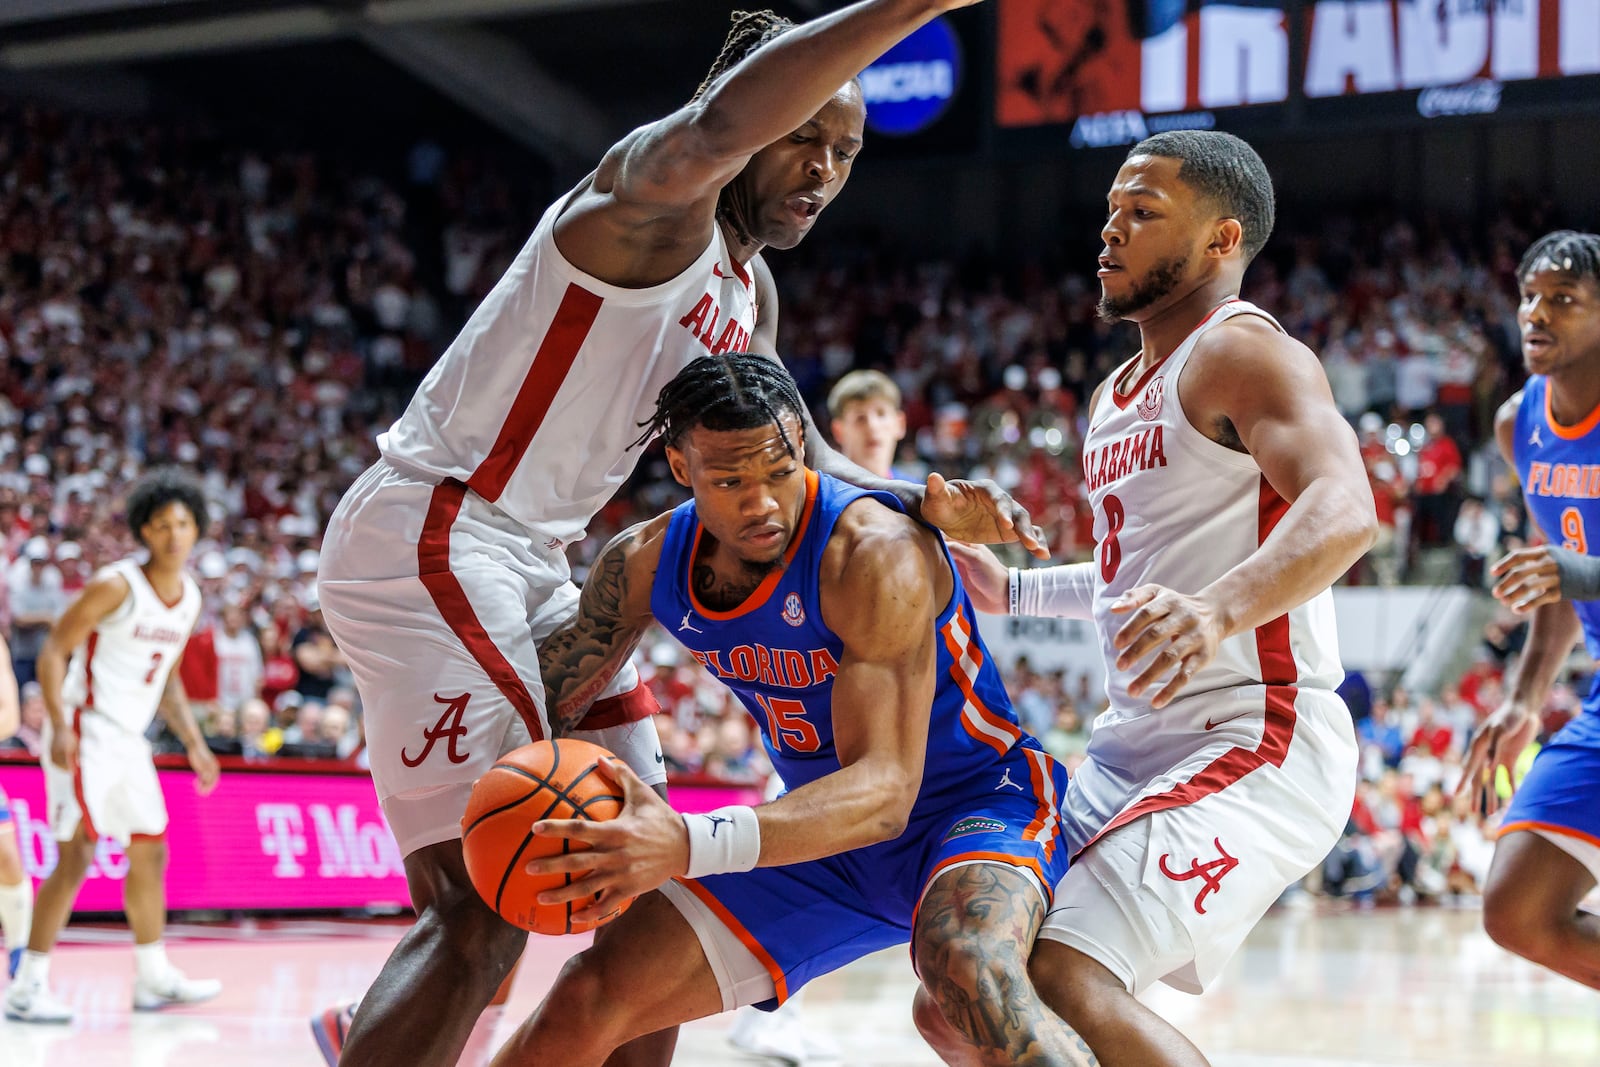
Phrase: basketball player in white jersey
[16,891]
[1229,494]
[124,633]
[444,565]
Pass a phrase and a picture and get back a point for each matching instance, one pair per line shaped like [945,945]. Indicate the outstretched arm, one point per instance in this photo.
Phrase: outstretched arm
[579,660]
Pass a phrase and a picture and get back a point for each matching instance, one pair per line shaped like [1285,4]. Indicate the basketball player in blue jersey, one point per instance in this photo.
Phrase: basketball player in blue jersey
[916,808]
[1548,856]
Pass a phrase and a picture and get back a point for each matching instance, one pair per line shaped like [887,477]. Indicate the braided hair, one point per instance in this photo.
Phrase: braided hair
[1568,251]
[751,30]
[734,391]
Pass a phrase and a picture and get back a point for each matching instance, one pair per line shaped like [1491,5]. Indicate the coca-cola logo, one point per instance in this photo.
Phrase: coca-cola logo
[1481,97]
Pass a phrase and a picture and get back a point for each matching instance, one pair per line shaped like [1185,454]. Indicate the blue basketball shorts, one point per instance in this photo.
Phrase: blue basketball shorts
[807,919]
[1560,797]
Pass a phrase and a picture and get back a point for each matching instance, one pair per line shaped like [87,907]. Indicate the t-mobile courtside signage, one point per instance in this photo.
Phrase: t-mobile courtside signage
[912,85]
[262,841]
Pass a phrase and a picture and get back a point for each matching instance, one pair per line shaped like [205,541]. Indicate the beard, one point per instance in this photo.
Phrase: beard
[1162,280]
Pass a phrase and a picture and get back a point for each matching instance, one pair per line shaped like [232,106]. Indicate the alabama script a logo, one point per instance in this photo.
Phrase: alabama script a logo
[448,729]
[1211,872]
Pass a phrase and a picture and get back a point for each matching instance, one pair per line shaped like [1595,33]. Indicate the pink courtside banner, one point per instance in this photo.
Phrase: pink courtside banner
[264,841]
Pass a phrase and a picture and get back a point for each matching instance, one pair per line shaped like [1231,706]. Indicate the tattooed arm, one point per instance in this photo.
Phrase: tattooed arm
[579,660]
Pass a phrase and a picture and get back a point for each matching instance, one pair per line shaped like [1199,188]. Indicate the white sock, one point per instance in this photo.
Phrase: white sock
[34,969]
[16,913]
[150,961]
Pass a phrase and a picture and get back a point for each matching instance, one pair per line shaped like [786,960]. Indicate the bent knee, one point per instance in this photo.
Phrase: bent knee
[962,969]
[486,943]
[1517,928]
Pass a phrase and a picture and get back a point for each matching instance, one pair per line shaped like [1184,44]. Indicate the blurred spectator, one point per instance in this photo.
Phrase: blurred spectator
[1477,535]
[37,600]
[1383,563]
[867,421]
[258,738]
[315,654]
[1439,472]
[238,653]
[29,737]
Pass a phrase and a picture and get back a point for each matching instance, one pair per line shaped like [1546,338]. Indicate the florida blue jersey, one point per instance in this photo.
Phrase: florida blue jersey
[1560,472]
[779,656]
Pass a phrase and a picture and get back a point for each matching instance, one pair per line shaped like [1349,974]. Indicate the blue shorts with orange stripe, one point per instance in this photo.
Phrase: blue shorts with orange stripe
[806,919]
[1561,793]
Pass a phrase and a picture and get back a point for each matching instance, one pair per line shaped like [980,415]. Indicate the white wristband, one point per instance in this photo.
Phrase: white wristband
[1061,592]
[724,841]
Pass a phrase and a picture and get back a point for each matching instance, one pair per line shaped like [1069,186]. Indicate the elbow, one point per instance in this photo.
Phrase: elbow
[895,793]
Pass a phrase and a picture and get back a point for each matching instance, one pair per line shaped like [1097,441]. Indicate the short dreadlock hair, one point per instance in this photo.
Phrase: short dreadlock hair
[734,391]
[751,30]
[1226,171]
[1568,251]
[161,487]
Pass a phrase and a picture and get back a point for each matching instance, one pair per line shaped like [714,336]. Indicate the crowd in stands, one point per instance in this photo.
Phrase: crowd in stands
[258,317]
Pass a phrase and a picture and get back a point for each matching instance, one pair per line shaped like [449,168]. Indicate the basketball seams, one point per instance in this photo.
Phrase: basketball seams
[511,891]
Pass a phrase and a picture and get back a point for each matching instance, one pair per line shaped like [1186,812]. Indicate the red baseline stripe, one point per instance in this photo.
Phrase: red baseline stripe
[433,567]
[568,330]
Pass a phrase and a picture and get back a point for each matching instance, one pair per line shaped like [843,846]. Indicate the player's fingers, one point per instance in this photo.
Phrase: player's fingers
[1537,598]
[566,863]
[1137,597]
[618,773]
[578,889]
[1154,633]
[575,829]
[936,486]
[1512,559]
[1180,678]
[1159,667]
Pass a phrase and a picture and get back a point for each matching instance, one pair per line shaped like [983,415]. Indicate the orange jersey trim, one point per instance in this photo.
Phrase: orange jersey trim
[1549,828]
[763,592]
[1569,433]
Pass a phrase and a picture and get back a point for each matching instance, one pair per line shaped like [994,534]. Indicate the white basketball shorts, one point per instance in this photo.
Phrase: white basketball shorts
[1170,894]
[438,602]
[113,793]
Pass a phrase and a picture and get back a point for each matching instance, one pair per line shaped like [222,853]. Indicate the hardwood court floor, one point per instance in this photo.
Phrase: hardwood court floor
[1398,988]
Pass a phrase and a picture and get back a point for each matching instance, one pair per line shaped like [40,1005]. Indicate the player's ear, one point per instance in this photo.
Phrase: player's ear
[679,464]
[1226,238]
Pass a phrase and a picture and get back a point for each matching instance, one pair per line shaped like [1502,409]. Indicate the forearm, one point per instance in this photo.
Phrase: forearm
[1552,632]
[51,670]
[1061,592]
[782,85]
[576,664]
[1321,536]
[179,714]
[853,807]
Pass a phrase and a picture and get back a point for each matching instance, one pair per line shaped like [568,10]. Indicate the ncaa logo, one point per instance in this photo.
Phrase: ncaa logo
[1150,403]
[793,613]
[912,85]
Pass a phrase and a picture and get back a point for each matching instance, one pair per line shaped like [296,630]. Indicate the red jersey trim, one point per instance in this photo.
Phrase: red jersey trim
[573,320]
[433,567]
[635,705]
[1278,672]
[1121,399]
[77,779]
[763,591]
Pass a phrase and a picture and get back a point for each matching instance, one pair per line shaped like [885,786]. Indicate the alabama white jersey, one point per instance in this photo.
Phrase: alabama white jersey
[121,670]
[537,403]
[1174,508]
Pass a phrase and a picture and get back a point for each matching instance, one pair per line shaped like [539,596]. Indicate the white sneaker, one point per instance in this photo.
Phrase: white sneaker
[776,1036]
[173,988]
[34,1003]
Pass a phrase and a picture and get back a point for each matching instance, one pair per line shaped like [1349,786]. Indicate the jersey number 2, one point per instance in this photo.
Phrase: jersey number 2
[787,725]
[155,665]
[1573,539]
[1111,548]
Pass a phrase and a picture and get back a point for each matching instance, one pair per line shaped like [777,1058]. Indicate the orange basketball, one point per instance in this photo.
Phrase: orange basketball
[544,780]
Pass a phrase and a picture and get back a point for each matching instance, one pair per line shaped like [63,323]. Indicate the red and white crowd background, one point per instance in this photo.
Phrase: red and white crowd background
[290,836]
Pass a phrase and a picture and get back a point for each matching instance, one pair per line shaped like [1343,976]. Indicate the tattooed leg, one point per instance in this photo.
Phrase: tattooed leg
[974,931]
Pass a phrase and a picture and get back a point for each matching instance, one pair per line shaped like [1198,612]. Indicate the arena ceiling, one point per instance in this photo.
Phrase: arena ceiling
[562,77]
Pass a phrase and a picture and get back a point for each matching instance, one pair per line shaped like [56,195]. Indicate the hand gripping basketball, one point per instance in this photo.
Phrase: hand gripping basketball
[610,863]
[561,778]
